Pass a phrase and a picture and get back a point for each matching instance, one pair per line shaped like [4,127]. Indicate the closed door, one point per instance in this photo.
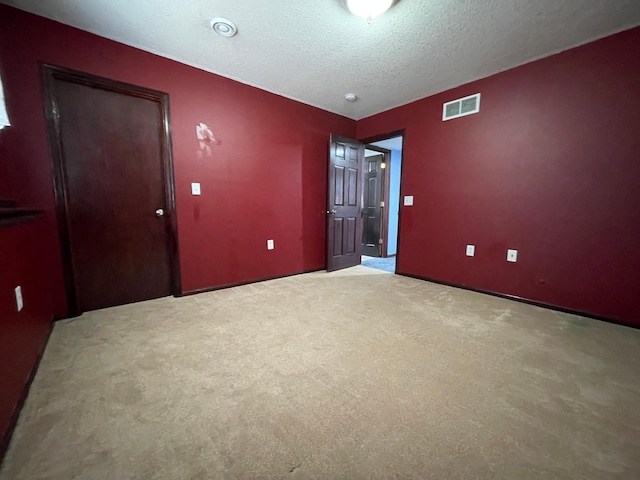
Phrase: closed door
[373,190]
[344,203]
[112,156]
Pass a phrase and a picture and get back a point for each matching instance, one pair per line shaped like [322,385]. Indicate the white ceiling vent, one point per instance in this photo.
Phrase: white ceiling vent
[224,27]
[461,107]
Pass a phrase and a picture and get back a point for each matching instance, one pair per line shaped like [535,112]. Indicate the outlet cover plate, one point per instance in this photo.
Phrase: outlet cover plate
[471,250]
[512,256]
[408,200]
[270,245]
[195,189]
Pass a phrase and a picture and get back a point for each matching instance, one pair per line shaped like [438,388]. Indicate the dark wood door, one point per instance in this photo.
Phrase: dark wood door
[112,155]
[373,192]
[344,203]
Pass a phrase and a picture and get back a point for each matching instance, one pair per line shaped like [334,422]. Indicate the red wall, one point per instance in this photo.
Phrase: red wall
[550,167]
[265,179]
[22,334]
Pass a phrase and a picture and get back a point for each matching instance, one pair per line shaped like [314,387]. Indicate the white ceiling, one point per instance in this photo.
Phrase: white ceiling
[394,143]
[315,51]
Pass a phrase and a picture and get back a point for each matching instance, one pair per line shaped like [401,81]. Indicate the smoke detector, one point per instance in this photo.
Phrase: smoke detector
[351,97]
[224,27]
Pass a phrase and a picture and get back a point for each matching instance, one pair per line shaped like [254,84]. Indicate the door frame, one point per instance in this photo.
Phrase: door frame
[51,73]
[384,231]
[387,136]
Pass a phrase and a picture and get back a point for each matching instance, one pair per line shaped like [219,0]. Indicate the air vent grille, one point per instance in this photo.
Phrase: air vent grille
[461,107]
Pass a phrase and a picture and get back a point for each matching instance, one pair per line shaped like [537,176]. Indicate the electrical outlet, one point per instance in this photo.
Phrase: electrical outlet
[408,200]
[19,302]
[471,250]
[195,189]
[270,245]
[512,256]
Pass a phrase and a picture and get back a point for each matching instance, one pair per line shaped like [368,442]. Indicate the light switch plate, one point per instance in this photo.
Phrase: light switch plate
[19,302]
[408,200]
[512,256]
[195,189]
[270,245]
[471,250]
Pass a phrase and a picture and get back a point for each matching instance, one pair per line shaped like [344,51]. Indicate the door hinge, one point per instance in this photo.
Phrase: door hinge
[381,241]
[382,204]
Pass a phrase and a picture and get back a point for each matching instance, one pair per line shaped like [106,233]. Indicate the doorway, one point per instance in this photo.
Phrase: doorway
[391,148]
[393,145]
[114,188]
[378,196]
[374,201]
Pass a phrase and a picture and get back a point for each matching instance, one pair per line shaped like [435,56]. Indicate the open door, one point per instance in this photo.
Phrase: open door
[374,200]
[344,203]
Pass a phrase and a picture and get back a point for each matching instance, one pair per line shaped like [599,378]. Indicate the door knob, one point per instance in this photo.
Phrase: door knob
[331,212]
[159,212]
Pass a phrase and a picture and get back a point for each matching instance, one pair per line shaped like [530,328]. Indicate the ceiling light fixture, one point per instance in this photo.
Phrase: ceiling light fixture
[224,27]
[351,97]
[368,9]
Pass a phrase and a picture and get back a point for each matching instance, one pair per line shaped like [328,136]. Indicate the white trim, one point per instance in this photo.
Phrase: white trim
[460,100]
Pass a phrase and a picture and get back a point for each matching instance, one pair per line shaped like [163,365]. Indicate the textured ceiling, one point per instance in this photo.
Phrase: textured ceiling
[316,51]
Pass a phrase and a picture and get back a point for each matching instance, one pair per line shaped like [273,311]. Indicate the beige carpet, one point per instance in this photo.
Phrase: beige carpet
[349,375]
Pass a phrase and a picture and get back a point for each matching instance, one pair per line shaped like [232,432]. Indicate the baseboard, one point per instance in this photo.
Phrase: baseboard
[8,433]
[248,282]
[528,301]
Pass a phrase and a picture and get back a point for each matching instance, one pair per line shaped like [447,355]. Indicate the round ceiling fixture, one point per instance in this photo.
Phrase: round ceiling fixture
[369,9]
[351,97]
[224,27]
